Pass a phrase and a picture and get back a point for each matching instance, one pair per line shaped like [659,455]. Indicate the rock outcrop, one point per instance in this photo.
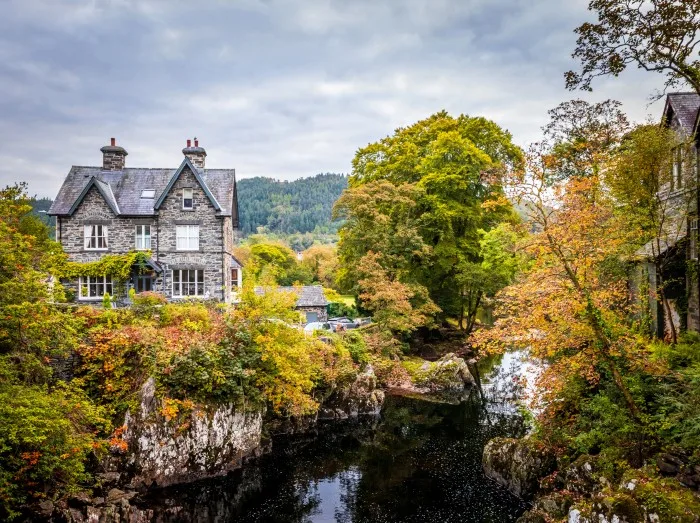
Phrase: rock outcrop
[517,464]
[361,397]
[207,443]
[448,374]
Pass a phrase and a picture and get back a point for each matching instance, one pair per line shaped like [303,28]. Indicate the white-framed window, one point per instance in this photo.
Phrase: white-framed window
[148,194]
[187,237]
[188,198]
[96,237]
[143,237]
[234,278]
[94,287]
[188,282]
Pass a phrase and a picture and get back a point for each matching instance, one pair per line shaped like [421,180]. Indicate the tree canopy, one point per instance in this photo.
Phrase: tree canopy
[419,204]
[655,35]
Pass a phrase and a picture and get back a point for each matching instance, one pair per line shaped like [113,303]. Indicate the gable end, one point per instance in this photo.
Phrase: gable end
[187,163]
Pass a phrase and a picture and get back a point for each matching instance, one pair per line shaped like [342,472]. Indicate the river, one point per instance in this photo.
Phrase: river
[419,462]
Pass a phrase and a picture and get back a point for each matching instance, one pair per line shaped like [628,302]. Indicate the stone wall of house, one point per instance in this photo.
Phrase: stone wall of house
[321,311]
[228,233]
[211,236]
[215,237]
[121,233]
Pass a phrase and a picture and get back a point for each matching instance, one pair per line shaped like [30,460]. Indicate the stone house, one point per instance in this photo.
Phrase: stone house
[311,301]
[185,217]
[672,258]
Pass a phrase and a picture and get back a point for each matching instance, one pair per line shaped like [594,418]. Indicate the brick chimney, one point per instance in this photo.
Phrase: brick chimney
[113,156]
[196,154]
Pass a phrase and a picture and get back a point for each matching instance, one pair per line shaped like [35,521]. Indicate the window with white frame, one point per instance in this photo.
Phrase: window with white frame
[694,238]
[94,287]
[188,198]
[143,237]
[96,237]
[188,282]
[234,278]
[187,237]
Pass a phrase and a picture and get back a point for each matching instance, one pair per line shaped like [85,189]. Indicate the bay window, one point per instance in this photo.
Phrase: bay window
[96,237]
[188,282]
[187,237]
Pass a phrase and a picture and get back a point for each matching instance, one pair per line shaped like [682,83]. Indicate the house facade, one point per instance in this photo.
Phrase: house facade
[670,264]
[185,217]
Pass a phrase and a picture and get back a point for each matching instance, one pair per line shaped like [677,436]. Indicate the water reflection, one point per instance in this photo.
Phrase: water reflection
[421,462]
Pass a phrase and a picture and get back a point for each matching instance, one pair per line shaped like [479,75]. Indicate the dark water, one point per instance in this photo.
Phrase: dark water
[420,462]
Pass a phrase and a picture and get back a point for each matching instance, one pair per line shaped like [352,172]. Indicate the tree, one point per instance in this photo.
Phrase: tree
[420,198]
[570,306]
[322,262]
[655,35]
[274,262]
[581,135]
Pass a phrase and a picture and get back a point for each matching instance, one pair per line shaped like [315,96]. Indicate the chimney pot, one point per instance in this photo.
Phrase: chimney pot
[113,156]
[196,154]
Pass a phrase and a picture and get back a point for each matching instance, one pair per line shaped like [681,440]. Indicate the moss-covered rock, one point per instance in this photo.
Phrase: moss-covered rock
[518,464]
[448,374]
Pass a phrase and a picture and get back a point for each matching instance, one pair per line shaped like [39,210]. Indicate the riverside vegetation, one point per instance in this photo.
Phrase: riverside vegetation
[429,241]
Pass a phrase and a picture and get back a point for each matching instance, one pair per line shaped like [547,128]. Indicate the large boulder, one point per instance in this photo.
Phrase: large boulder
[448,374]
[206,443]
[360,398]
[518,464]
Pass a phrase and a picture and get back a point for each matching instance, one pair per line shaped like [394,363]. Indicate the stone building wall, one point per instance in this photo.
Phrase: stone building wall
[321,311]
[215,237]
[211,237]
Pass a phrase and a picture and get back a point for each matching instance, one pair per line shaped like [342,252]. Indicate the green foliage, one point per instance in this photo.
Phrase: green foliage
[420,200]
[46,438]
[299,206]
[356,346]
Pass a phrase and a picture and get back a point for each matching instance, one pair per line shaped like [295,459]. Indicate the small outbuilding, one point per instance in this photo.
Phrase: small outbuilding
[311,301]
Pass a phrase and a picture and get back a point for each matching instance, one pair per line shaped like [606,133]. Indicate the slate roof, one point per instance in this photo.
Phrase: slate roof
[122,189]
[685,107]
[309,295]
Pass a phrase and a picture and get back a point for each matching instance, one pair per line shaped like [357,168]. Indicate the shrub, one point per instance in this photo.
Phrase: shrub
[46,438]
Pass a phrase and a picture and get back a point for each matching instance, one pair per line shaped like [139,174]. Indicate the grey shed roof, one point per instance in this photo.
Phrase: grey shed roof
[124,188]
[309,295]
[684,106]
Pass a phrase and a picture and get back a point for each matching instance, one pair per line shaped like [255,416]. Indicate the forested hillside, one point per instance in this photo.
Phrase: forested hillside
[287,207]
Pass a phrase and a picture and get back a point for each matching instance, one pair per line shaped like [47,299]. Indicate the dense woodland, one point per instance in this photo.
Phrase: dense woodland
[288,207]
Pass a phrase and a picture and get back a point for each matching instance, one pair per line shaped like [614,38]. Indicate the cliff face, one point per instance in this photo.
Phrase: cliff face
[210,443]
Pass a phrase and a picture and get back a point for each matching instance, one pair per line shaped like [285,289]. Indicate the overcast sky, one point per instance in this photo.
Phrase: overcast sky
[276,88]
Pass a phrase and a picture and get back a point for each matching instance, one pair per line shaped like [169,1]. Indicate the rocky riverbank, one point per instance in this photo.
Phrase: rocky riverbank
[155,451]
[588,490]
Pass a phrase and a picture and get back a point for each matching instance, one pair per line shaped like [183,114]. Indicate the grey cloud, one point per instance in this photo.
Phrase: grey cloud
[272,87]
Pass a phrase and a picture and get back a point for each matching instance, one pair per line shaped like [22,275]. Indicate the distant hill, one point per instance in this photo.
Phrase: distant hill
[288,207]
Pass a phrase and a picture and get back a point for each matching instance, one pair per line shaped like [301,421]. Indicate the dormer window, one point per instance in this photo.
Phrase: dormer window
[188,199]
[148,193]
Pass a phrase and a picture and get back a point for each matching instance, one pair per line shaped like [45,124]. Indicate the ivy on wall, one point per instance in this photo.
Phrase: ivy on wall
[118,266]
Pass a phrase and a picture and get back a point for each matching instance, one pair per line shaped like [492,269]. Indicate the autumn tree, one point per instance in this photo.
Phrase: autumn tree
[422,198]
[570,306]
[654,35]
[322,262]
